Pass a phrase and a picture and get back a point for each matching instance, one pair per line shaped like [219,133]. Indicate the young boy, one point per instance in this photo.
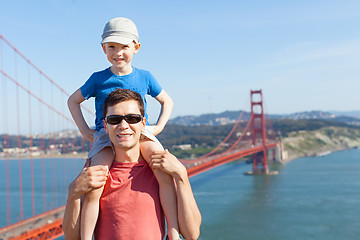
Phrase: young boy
[120,41]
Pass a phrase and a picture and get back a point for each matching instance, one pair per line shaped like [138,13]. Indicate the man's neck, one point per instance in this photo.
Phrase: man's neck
[127,156]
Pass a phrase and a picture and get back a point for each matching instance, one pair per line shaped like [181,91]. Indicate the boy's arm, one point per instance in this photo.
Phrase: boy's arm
[188,212]
[189,215]
[74,102]
[166,108]
[88,179]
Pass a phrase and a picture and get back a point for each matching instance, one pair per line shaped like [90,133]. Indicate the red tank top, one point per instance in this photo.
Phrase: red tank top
[130,205]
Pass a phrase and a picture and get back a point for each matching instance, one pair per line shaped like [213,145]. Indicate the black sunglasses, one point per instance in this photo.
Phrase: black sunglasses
[130,118]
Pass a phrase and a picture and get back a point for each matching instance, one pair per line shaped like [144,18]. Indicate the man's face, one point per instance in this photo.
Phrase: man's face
[125,135]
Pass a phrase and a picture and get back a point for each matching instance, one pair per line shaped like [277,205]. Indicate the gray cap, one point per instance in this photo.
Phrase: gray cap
[120,30]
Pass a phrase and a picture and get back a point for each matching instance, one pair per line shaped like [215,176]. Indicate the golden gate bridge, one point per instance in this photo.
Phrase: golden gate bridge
[39,159]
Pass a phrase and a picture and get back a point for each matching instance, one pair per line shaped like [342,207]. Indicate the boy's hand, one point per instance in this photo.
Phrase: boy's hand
[168,163]
[88,134]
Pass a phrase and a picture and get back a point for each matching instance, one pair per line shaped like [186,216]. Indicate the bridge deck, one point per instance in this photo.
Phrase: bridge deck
[22,228]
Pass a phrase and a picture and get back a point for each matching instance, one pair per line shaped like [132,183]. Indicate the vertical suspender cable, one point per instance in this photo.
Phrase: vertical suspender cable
[19,145]
[31,146]
[6,143]
[42,147]
[64,151]
[64,182]
[52,149]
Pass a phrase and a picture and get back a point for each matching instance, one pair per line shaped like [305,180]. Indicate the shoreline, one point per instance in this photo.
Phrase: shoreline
[48,156]
[319,142]
[320,154]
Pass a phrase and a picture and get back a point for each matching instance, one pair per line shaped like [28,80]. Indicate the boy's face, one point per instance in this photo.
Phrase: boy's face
[120,55]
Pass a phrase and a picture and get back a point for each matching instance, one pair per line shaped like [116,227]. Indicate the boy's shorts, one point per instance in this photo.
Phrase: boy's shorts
[102,140]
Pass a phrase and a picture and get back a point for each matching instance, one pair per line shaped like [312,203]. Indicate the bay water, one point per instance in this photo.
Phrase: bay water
[311,198]
[49,187]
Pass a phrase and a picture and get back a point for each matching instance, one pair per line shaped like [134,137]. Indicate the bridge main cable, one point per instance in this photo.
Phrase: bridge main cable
[41,72]
[36,97]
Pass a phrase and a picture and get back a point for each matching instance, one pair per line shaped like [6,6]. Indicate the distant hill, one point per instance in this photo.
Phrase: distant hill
[355,114]
[228,117]
[212,119]
[306,115]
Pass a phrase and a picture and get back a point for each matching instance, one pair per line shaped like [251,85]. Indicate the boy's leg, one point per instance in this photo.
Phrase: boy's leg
[90,207]
[166,188]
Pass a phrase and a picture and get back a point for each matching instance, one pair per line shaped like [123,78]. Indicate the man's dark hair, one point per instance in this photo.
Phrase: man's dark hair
[121,95]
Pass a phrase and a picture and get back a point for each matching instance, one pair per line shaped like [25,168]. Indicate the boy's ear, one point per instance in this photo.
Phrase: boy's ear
[137,47]
[103,47]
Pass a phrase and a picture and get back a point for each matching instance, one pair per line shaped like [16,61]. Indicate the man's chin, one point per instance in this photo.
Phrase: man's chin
[124,145]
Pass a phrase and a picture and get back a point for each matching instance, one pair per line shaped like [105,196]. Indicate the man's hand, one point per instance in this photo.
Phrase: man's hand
[168,163]
[89,178]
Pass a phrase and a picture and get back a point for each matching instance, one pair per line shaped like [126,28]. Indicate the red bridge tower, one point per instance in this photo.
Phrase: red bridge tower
[258,133]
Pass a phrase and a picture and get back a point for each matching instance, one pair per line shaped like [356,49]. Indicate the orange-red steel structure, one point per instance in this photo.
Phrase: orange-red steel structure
[47,225]
[258,127]
[227,158]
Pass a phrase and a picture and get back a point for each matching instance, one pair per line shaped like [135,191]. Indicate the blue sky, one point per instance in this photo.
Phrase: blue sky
[207,55]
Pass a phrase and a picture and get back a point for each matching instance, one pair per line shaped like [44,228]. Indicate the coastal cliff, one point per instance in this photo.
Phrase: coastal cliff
[319,142]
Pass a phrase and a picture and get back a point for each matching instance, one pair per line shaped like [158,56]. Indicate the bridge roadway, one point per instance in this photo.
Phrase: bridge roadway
[48,225]
[217,160]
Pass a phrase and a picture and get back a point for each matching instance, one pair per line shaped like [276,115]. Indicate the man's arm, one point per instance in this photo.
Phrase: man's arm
[88,179]
[189,216]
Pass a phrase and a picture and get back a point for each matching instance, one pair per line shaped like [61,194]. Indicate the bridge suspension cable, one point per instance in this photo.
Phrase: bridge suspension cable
[35,151]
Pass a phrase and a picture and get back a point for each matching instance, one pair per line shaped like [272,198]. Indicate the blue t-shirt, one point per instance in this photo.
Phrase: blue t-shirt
[100,84]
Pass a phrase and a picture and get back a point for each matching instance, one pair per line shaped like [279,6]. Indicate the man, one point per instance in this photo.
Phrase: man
[130,204]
